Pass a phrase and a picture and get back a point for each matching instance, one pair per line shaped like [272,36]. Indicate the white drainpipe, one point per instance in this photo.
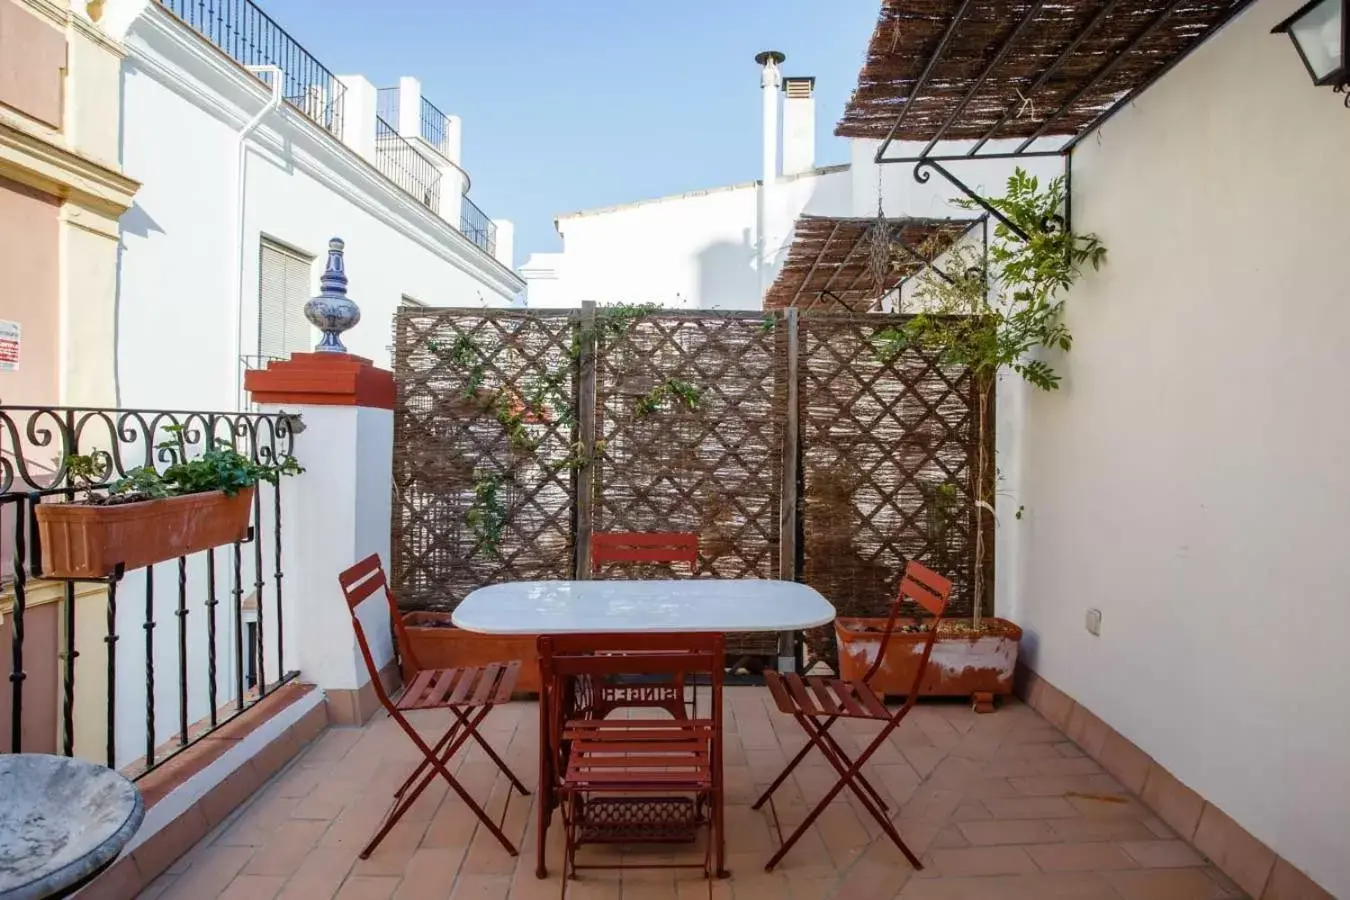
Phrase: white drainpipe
[237,230]
[769,84]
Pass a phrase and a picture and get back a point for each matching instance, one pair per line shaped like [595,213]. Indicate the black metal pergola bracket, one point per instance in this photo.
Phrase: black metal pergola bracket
[923,177]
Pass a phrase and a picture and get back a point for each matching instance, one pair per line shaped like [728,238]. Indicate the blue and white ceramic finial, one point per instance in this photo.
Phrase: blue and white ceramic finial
[333,312]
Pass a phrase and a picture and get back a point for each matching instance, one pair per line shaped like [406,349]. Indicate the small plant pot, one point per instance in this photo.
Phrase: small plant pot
[84,541]
[965,662]
[438,644]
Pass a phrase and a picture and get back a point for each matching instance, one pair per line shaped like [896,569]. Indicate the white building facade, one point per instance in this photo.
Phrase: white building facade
[249,168]
[707,249]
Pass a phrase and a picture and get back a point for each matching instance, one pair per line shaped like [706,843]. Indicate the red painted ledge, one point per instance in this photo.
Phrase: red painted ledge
[322,379]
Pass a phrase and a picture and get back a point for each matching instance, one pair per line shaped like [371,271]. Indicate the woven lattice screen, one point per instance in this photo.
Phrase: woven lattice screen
[888,463]
[482,492]
[491,462]
[714,469]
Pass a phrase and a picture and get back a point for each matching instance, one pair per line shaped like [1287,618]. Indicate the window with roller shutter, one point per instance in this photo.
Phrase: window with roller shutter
[284,287]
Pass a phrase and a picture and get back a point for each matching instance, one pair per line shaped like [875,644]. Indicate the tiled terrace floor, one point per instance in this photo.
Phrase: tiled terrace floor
[998,806]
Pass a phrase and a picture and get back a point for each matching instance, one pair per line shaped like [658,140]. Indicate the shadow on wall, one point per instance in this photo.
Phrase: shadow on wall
[726,275]
[727,272]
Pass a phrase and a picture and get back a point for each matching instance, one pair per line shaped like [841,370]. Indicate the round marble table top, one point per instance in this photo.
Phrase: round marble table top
[61,821]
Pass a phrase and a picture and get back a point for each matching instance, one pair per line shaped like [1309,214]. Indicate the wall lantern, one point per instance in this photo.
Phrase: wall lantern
[1320,31]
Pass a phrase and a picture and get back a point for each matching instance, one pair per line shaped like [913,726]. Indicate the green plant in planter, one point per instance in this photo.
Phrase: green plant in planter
[220,468]
[672,390]
[1002,315]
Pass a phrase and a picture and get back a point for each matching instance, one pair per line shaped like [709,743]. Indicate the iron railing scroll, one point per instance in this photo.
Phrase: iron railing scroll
[35,444]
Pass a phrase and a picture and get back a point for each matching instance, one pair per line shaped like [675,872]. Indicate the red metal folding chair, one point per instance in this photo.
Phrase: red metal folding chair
[632,781]
[468,692]
[817,703]
[646,548]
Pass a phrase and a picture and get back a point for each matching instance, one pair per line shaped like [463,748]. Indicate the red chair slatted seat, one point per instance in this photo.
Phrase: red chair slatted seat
[634,780]
[818,702]
[468,692]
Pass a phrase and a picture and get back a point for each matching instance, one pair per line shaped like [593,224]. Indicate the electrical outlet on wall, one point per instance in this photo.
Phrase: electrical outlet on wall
[1094,621]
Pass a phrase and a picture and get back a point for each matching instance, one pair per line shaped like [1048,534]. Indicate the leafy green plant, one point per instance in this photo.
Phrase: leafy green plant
[487,515]
[511,415]
[672,390]
[1001,315]
[610,322]
[220,468]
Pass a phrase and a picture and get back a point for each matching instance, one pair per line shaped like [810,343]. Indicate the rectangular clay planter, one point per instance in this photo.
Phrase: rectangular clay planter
[82,541]
[962,665]
[439,645]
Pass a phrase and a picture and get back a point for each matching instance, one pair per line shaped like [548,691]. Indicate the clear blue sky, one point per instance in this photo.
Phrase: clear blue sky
[572,104]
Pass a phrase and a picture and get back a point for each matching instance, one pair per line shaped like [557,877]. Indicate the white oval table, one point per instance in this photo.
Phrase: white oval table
[695,604]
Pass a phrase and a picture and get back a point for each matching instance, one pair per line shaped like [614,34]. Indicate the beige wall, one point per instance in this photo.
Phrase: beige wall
[41,632]
[29,236]
[1190,480]
[60,102]
[32,56]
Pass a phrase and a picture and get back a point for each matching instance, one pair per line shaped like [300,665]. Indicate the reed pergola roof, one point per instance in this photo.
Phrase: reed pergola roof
[829,265]
[981,70]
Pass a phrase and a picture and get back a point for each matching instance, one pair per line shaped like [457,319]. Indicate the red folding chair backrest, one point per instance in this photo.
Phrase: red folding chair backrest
[643,547]
[359,584]
[678,654]
[929,590]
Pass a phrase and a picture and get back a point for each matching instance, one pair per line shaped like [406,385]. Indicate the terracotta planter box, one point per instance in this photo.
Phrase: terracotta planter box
[963,664]
[437,645]
[81,541]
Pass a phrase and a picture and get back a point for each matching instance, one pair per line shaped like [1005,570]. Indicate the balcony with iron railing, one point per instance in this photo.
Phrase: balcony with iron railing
[252,38]
[433,128]
[404,165]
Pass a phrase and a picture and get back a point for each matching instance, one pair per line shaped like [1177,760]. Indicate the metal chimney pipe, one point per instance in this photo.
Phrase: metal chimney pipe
[769,82]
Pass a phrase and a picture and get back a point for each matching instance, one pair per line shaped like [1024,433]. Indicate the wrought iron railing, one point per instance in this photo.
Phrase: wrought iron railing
[475,225]
[253,38]
[434,125]
[216,653]
[386,104]
[402,164]
[435,128]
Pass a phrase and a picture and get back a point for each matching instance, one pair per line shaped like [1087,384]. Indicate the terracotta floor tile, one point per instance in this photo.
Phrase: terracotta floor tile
[287,848]
[1007,831]
[1163,854]
[983,861]
[1030,808]
[1166,884]
[254,887]
[430,874]
[368,887]
[210,873]
[987,801]
[320,875]
[1098,829]
[1101,857]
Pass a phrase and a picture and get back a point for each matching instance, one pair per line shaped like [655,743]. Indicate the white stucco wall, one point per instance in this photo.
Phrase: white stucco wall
[1190,478]
[184,103]
[694,251]
[902,195]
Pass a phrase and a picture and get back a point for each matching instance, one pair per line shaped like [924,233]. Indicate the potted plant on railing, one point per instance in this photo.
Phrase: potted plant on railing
[148,516]
[987,312]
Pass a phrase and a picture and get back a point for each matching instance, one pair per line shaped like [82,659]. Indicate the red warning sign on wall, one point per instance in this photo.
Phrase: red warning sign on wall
[9,346]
